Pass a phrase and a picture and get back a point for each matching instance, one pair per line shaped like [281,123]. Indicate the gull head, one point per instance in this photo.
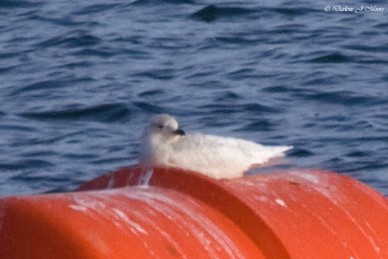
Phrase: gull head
[164,126]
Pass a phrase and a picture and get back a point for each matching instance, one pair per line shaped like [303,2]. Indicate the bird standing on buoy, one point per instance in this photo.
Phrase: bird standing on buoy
[163,143]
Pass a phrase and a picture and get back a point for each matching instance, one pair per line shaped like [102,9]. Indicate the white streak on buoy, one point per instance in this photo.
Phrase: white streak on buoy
[281,202]
[145,177]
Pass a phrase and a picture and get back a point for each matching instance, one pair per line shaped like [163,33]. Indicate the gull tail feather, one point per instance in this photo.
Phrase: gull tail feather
[277,151]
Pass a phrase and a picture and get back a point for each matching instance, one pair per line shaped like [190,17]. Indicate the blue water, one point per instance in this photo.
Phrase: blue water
[79,79]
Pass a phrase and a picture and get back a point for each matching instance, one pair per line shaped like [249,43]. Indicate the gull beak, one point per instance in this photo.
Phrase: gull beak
[180,132]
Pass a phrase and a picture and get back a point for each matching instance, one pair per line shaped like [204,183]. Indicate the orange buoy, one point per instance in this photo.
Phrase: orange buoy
[169,213]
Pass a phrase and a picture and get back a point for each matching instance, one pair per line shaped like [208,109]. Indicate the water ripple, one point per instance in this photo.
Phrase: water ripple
[159,2]
[332,58]
[340,97]
[211,13]
[95,9]
[19,4]
[74,39]
[103,112]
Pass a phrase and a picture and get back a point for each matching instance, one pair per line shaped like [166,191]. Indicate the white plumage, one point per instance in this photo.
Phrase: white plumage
[165,144]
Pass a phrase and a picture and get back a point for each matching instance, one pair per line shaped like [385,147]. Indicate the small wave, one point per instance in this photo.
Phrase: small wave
[151,93]
[103,53]
[292,11]
[357,154]
[227,96]
[257,125]
[367,48]
[19,4]
[4,70]
[78,64]
[103,113]
[159,74]
[346,98]
[218,108]
[277,89]
[95,8]
[78,38]
[300,152]
[148,107]
[159,2]
[244,73]
[227,107]
[383,25]
[25,164]
[332,58]
[65,21]
[36,86]
[255,107]
[238,40]
[43,178]
[211,13]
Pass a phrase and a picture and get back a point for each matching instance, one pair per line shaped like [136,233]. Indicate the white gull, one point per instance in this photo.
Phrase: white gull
[163,143]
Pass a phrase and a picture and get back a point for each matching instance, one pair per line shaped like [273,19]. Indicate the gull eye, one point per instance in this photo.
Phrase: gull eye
[160,126]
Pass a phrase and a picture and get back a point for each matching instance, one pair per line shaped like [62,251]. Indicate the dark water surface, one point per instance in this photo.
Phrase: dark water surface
[79,79]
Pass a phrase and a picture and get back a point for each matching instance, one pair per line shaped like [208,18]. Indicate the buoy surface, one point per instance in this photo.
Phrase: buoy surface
[140,212]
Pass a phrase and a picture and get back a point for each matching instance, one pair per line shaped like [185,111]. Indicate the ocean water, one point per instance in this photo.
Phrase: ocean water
[79,80]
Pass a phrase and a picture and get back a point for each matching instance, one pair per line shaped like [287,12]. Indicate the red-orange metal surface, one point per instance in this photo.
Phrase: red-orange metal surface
[169,213]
